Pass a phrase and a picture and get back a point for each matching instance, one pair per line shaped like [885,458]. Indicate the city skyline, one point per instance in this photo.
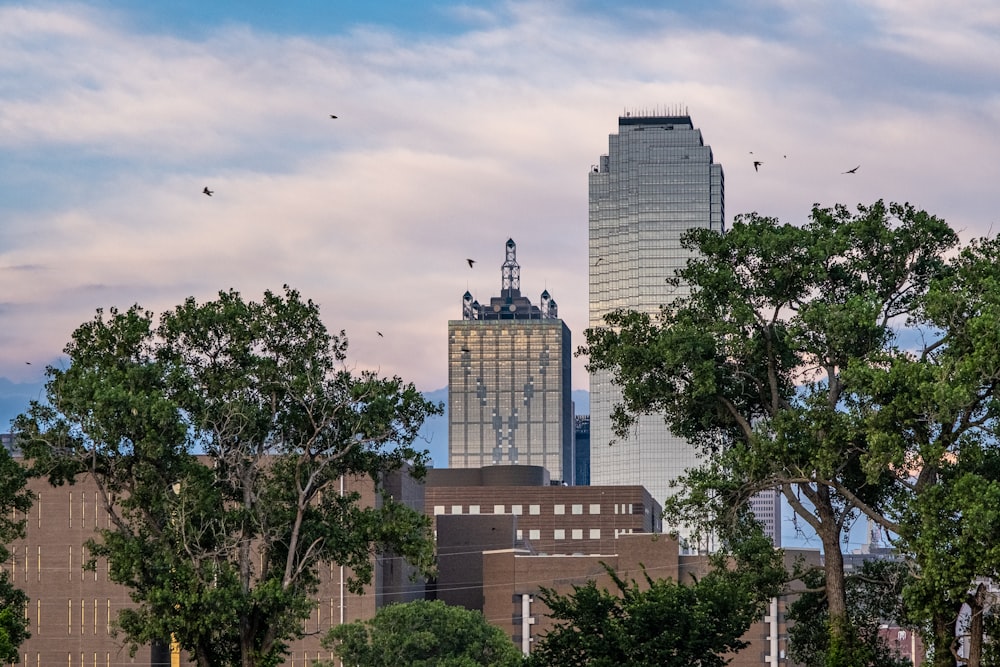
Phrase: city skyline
[458,125]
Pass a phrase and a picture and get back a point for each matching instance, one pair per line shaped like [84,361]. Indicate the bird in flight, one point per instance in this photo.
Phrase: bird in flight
[598,261]
[380,334]
[471,262]
[332,116]
[853,171]
[208,192]
[756,165]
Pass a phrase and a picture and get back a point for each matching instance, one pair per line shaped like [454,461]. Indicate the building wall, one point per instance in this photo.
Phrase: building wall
[510,575]
[657,181]
[582,449]
[509,394]
[766,508]
[72,611]
[554,519]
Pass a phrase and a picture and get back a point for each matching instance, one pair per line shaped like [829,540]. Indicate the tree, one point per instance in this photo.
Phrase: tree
[874,596]
[953,531]
[423,633]
[768,366]
[222,552]
[15,499]
[663,622]
[930,413]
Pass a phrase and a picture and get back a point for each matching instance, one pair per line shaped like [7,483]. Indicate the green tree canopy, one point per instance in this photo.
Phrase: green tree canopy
[15,501]
[222,552]
[784,365]
[423,633]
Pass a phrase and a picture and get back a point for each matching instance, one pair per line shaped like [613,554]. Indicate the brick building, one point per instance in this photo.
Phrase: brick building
[72,611]
[502,533]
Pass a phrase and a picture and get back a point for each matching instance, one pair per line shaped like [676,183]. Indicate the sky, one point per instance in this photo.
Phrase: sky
[460,125]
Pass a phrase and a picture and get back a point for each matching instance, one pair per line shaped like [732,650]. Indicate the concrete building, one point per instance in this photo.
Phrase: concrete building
[657,181]
[509,381]
[766,507]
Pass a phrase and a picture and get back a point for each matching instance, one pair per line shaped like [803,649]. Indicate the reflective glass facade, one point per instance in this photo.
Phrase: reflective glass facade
[509,396]
[509,382]
[657,181]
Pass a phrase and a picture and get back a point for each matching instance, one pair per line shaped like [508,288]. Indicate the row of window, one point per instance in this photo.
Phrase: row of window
[81,511]
[121,658]
[96,617]
[535,510]
[20,563]
[560,534]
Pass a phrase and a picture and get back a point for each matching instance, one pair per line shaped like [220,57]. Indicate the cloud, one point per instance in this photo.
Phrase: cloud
[445,146]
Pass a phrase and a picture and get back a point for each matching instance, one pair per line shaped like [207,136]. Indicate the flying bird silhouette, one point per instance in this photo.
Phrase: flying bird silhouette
[598,261]
[380,334]
[852,171]
[471,262]
[756,165]
[208,192]
[332,116]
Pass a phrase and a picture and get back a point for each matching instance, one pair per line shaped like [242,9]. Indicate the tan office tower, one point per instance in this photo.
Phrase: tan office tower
[509,389]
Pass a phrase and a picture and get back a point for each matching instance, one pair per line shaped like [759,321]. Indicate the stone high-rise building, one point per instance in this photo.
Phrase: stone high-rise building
[509,381]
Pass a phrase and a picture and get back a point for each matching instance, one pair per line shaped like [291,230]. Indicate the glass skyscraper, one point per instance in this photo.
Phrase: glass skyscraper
[509,381]
[657,181]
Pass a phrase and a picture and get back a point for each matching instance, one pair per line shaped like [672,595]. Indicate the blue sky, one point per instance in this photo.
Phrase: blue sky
[460,124]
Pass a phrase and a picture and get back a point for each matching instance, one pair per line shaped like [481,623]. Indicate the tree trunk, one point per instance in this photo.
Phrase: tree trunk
[944,641]
[975,602]
[840,652]
[841,637]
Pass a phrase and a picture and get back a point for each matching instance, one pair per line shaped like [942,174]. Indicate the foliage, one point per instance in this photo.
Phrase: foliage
[663,622]
[874,596]
[936,415]
[784,366]
[423,633]
[15,499]
[223,551]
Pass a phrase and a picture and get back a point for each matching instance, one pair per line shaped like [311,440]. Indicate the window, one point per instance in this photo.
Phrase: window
[438,509]
[473,509]
[578,533]
[456,509]
[516,509]
[558,509]
[578,508]
[498,509]
[595,508]
[534,509]
[559,534]
[534,534]
[595,533]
